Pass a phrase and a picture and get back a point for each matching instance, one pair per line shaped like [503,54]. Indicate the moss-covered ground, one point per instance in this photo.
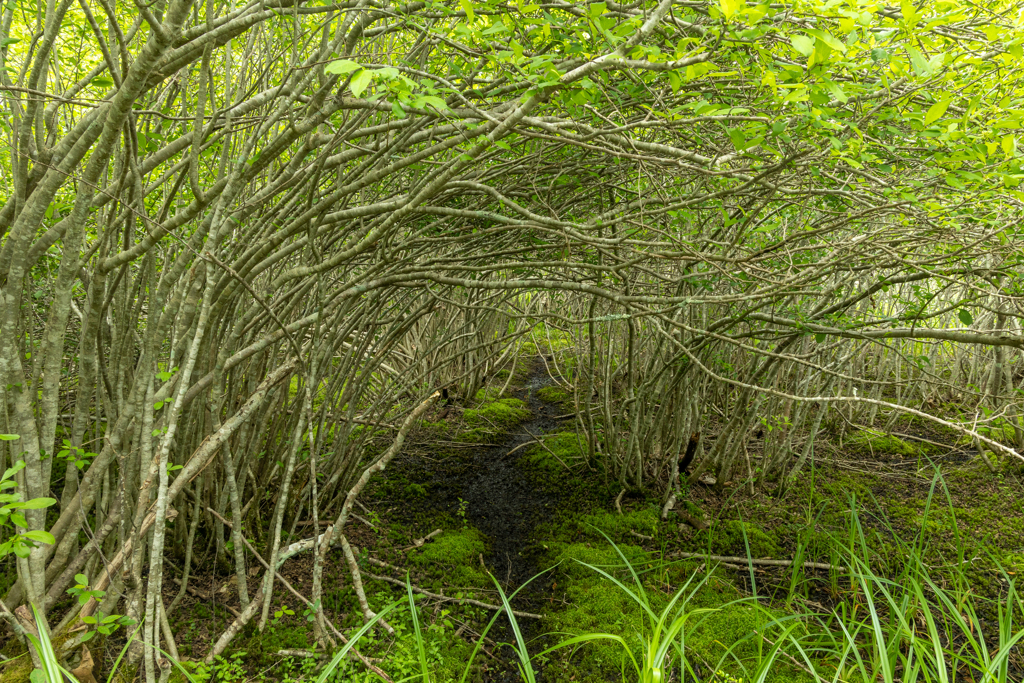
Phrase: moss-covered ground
[889,498]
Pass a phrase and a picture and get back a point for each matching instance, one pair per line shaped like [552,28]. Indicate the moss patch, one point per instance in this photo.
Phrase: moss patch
[563,451]
[877,442]
[726,538]
[501,414]
[456,554]
[553,394]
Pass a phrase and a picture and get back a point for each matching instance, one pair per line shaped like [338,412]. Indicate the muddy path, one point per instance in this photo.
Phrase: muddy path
[501,500]
[506,506]
[486,486]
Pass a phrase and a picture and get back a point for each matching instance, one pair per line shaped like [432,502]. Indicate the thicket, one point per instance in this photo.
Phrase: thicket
[247,247]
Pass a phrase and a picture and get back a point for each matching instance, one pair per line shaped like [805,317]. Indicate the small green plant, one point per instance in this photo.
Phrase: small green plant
[75,455]
[21,543]
[280,614]
[310,611]
[103,624]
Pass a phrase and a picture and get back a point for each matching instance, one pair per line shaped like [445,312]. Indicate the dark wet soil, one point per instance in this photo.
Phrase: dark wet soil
[502,502]
[506,506]
[495,494]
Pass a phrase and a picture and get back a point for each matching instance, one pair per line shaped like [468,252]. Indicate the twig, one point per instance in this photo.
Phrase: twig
[445,598]
[357,583]
[522,445]
[545,447]
[301,653]
[418,543]
[365,661]
[764,563]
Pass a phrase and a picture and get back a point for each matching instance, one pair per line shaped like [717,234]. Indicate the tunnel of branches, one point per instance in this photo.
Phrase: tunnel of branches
[248,247]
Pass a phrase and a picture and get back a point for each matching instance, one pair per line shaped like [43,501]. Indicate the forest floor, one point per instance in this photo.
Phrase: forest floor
[510,507]
[505,481]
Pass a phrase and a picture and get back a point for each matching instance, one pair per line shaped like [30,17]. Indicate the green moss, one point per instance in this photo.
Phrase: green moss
[527,349]
[503,414]
[644,521]
[476,435]
[487,394]
[563,450]
[885,444]
[433,429]
[553,394]
[457,555]
[726,538]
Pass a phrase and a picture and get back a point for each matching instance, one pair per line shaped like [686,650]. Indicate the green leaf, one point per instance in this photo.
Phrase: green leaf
[158,405]
[1009,145]
[965,316]
[820,338]
[341,66]
[103,81]
[37,503]
[803,44]
[936,111]
[731,7]
[837,92]
[432,101]
[828,39]
[739,141]
[596,9]
[82,579]
[920,64]
[467,7]
[360,81]
[40,536]
[10,437]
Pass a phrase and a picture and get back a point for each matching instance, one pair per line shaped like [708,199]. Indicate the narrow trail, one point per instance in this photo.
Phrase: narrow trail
[502,502]
[506,506]
[486,486]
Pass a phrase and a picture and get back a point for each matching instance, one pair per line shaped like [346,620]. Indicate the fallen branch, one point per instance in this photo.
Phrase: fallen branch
[445,598]
[698,524]
[305,601]
[763,563]
[357,583]
[418,543]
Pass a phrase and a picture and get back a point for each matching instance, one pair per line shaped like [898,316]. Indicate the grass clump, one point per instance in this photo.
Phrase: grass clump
[456,554]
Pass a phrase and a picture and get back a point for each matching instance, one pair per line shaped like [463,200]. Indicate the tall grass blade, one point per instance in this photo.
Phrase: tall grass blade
[421,650]
[52,669]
